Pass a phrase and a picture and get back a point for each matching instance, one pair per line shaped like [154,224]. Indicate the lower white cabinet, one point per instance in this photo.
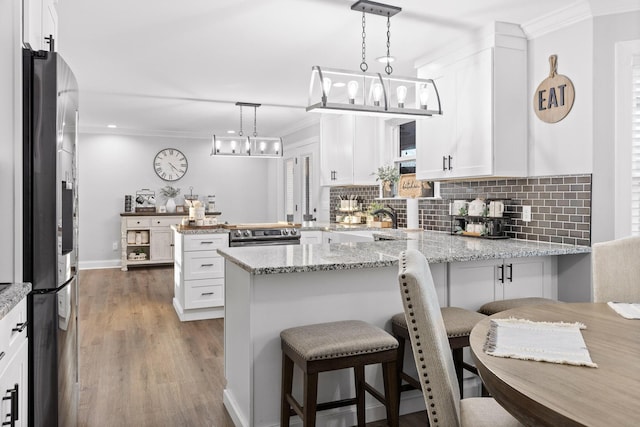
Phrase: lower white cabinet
[474,283]
[14,354]
[199,275]
[311,237]
[146,239]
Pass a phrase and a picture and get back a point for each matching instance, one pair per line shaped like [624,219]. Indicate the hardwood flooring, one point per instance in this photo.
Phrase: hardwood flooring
[140,366]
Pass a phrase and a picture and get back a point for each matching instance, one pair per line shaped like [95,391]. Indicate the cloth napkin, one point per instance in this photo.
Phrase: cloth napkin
[555,342]
[626,310]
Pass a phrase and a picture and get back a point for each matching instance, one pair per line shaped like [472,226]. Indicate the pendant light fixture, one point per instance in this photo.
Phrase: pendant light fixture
[247,146]
[359,92]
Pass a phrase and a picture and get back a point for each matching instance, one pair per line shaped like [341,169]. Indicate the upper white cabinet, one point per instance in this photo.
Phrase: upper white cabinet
[39,20]
[349,149]
[483,129]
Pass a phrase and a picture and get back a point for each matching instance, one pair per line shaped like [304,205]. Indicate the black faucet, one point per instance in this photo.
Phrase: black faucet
[391,213]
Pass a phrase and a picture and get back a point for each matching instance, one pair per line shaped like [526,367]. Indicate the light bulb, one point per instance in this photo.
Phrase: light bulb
[424,96]
[233,146]
[352,89]
[247,147]
[276,147]
[401,91]
[377,94]
[262,147]
[217,146]
[326,86]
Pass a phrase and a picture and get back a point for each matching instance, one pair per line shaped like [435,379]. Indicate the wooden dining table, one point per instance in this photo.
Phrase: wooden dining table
[551,394]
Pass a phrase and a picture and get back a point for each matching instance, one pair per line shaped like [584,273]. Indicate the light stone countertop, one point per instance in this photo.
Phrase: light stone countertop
[12,295]
[199,230]
[437,247]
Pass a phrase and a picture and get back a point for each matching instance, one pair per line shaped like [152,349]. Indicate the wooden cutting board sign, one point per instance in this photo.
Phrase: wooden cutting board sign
[555,95]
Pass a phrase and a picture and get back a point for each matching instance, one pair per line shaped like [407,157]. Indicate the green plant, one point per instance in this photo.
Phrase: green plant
[374,206]
[169,191]
[387,173]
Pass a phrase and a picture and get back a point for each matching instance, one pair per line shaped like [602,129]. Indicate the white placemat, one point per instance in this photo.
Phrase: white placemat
[555,342]
[626,310]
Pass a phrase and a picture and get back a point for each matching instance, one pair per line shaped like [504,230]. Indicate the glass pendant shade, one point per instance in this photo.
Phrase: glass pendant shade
[356,92]
[245,146]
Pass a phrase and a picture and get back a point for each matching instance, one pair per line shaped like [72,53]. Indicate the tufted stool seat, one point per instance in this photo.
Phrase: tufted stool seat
[494,307]
[337,345]
[458,323]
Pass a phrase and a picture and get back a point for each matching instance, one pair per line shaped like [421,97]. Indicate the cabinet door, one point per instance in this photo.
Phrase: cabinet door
[472,283]
[32,23]
[310,237]
[435,135]
[161,242]
[14,378]
[336,149]
[49,22]
[365,150]
[527,277]
[473,149]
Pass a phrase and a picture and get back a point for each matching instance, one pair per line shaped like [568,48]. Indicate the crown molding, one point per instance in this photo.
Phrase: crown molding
[101,130]
[313,119]
[561,18]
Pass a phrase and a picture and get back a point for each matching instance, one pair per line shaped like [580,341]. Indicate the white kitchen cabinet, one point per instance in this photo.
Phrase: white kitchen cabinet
[310,237]
[474,283]
[13,366]
[39,20]
[349,149]
[149,235]
[483,129]
[199,275]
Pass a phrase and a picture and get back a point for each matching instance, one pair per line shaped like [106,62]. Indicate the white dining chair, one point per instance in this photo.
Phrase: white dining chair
[615,267]
[432,354]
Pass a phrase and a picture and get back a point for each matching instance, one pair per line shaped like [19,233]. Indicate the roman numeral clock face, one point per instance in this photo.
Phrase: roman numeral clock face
[170,164]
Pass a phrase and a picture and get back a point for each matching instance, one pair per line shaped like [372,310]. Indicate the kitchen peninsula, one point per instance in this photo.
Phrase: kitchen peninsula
[269,289]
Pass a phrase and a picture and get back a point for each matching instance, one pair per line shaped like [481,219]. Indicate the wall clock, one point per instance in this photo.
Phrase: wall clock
[170,164]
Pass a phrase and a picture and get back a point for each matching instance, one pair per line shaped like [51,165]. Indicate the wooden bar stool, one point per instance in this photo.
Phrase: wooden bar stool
[494,307]
[458,323]
[337,345]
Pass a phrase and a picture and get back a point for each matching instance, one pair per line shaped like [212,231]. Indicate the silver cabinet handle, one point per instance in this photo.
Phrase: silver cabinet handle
[206,243]
[206,293]
[206,265]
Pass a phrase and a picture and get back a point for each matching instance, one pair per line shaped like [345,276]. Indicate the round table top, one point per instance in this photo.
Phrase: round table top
[541,393]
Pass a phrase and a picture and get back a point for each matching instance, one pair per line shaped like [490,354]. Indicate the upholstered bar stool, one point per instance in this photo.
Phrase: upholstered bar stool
[337,345]
[494,307]
[458,323]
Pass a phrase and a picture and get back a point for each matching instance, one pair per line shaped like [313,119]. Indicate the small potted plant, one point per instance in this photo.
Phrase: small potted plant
[388,176]
[170,193]
[370,218]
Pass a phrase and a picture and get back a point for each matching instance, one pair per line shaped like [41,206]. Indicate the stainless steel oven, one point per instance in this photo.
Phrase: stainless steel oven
[259,235]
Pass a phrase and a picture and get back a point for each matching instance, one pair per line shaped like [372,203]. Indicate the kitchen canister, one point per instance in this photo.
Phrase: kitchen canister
[196,214]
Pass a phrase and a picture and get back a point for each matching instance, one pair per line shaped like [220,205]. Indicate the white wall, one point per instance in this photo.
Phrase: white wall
[111,166]
[565,147]
[10,142]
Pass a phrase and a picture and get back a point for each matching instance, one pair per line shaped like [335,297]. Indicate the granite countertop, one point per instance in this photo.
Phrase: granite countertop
[437,247]
[12,295]
[205,229]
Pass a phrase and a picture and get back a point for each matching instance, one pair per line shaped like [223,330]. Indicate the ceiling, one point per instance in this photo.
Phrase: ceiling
[178,67]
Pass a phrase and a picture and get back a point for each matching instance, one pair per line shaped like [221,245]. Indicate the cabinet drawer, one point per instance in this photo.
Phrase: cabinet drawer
[138,222]
[204,293]
[205,242]
[203,265]
[10,340]
[165,222]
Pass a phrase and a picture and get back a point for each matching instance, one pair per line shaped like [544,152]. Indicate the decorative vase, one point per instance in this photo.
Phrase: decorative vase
[171,205]
[388,189]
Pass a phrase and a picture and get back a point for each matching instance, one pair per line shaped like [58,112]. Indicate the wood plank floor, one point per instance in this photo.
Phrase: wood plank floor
[140,366]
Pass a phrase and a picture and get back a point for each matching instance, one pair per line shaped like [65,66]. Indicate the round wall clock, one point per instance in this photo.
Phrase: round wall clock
[170,164]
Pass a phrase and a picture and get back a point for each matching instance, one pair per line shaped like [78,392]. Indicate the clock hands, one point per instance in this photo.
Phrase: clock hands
[177,170]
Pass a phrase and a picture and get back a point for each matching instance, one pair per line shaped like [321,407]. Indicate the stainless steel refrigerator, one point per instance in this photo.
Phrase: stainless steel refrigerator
[50,235]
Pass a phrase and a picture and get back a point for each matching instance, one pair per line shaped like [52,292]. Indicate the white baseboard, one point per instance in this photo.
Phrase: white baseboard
[233,409]
[91,265]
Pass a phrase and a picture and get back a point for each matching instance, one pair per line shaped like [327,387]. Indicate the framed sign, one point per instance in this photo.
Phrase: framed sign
[555,95]
[409,186]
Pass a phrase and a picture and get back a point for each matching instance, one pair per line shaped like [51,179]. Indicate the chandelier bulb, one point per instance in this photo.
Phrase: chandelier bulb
[424,96]
[352,90]
[377,94]
[326,86]
[401,91]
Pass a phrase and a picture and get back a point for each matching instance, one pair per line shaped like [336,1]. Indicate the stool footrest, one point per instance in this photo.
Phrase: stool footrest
[375,393]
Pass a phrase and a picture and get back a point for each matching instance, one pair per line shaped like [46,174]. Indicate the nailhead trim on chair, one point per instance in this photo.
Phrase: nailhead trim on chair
[417,336]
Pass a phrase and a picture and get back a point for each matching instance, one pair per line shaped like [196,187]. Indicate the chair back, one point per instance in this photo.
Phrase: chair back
[615,267]
[429,341]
